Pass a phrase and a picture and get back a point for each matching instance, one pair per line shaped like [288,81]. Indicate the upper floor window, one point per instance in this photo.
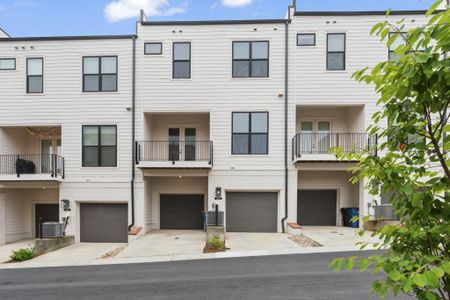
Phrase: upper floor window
[99,146]
[181,60]
[250,133]
[35,75]
[399,41]
[306,39]
[250,59]
[335,51]
[153,48]
[100,74]
[7,64]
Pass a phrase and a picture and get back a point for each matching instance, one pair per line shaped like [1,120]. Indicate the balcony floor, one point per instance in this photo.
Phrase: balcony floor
[30,177]
[175,165]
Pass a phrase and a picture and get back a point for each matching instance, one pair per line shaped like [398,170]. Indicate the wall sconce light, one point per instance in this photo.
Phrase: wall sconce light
[218,195]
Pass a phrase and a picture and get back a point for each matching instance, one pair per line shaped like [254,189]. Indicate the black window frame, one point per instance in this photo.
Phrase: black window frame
[181,60]
[9,58]
[99,146]
[306,33]
[343,52]
[35,76]
[249,133]
[250,59]
[100,74]
[153,43]
[390,52]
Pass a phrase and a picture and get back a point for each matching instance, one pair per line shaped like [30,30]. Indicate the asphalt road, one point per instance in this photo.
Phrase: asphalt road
[303,276]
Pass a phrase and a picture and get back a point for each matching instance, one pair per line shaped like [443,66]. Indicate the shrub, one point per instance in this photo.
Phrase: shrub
[23,254]
[216,243]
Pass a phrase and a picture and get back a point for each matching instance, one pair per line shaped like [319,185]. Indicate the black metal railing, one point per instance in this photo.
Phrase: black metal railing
[321,143]
[19,164]
[174,151]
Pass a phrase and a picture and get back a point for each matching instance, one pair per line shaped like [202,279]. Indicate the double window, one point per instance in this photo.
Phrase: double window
[7,64]
[99,146]
[306,39]
[335,51]
[35,75]
[181,60]
[153,48]
[100,74]
[250,59]
[250,133]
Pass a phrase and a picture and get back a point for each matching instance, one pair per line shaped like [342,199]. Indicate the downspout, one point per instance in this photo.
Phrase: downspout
[286,115]
[133,130]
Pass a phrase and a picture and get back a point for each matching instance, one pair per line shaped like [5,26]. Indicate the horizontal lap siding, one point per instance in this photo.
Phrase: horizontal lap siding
[63,102]
[212,88]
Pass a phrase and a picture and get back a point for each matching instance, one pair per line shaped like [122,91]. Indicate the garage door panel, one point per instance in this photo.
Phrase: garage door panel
[251,212]
[181,211]
[104,223]
[317,207]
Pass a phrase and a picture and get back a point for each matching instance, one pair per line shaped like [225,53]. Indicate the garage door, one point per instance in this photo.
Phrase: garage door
[316,207]
[104,223]
[181,211]
[251,212]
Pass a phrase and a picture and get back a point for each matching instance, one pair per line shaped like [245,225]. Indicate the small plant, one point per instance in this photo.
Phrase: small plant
[216,243]
[23,254]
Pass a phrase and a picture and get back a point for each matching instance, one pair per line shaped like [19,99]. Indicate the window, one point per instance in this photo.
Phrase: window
[35,75]
[306,39]
[181,60]
[250,133]
[250,59]
[99,146]
[100,74]
[153,48]
[335,51]
[399,41]
[7,64]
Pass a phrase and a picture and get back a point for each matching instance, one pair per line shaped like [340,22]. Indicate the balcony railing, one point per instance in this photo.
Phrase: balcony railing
[321,143]
[18,164]
[174,151]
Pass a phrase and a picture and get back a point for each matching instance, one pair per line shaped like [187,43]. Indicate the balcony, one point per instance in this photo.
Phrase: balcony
[31,167]
[174,154]
[316,146]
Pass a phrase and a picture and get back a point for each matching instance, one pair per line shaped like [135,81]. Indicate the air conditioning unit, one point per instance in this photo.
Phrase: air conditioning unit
[384,212]
[52,230]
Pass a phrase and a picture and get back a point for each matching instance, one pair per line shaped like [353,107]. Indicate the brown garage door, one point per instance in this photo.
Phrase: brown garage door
[181,211]
[103,223]
[316,207]
[251,212]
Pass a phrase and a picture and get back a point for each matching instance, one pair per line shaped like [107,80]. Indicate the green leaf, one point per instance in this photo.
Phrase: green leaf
[363,264]
[394,275]
[446,267]
[433,8]
[419,280]
[336,264]
[350,263]
[439,272]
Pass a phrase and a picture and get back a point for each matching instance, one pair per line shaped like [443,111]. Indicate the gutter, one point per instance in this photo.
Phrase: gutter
[133,132]
[286,116]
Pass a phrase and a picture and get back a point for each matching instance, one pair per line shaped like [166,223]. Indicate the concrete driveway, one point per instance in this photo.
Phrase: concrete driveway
[165,244]
[244,241]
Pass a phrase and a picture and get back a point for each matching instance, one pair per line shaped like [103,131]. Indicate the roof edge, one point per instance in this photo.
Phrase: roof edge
[361,13]
[59,38]
[215,22]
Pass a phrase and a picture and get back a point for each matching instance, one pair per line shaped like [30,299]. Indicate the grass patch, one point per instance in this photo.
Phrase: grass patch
[23,254]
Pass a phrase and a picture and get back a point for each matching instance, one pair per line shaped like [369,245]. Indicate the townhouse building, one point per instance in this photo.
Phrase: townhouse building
[151,130]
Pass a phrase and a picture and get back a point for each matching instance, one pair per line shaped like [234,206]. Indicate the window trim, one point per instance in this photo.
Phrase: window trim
[100,73]
[99,132]
[153,43]
[307,45]
[10,58]
[189,61]
[344,52]
[249,134]
[250,59]
[29,76]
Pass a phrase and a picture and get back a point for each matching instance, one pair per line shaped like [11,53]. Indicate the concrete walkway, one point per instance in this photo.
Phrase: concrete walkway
[6,250]
[176,245]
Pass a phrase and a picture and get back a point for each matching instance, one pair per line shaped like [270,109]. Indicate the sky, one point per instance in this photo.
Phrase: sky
[96,17]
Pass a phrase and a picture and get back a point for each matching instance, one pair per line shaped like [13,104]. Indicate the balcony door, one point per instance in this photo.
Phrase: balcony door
[315,136]
[182,144]
[49,146]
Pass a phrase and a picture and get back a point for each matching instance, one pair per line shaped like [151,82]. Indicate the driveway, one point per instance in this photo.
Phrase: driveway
[243,241]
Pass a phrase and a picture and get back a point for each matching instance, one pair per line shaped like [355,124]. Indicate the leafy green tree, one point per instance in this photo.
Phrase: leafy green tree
[412,165]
